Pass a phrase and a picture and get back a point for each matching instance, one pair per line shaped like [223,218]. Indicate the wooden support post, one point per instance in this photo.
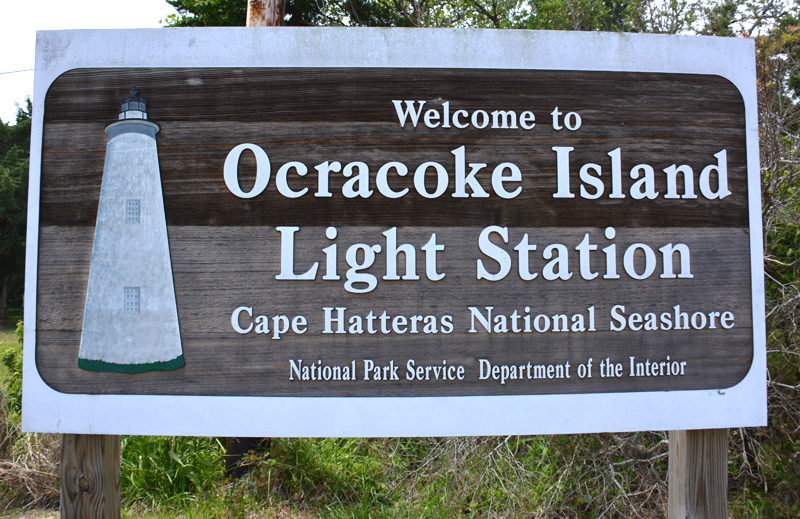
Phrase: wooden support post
[698,474]
[90,476]
[265,13]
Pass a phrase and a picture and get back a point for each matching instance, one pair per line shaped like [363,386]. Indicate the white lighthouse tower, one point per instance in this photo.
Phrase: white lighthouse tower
[130,321]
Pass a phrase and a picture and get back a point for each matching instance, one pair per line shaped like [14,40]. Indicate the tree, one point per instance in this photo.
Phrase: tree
[14,158]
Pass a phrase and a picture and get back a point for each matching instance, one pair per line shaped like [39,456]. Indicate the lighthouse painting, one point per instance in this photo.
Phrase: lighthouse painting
[130,320]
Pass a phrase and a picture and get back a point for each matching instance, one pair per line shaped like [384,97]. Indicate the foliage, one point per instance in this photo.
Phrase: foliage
[766,479]
[720,18]
[11,360]
[165,469]
[28,462]
[219,13]
[348,472]
[203,13]
[713,17]
[10,389]
[541,14]
[537,477]
[14,150]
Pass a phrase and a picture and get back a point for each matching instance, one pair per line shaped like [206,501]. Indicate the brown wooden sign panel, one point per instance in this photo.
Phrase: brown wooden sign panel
[570,231]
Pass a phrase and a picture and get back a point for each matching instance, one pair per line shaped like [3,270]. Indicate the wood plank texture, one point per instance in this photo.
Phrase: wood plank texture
[345,115]
[698,474]
[90,469]
[225,250]
[217,269]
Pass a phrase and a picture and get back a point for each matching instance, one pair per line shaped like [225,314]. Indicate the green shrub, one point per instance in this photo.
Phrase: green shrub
[11,359]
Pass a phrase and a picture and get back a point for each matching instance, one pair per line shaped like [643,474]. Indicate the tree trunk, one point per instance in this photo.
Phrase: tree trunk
[265,13]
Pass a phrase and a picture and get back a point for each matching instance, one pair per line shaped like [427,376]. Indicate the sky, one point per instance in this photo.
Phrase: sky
[19,22]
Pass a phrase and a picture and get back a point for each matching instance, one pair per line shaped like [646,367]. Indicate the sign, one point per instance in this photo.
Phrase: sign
[393,232]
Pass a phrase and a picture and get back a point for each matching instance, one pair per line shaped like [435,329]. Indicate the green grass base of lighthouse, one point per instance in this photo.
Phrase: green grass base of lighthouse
[101,365]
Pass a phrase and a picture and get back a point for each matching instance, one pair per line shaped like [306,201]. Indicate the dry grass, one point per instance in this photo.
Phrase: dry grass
[619,475]
[30,514]
[30,477]
[28,466]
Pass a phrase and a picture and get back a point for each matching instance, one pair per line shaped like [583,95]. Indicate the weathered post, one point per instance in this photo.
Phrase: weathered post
[265,13]
[698,474]
[90,466]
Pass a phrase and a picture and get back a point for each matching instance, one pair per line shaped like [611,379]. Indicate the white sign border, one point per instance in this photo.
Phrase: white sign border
[48,410]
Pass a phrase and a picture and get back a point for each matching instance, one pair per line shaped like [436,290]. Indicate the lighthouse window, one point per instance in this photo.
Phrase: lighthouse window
[131,300]
[133,211]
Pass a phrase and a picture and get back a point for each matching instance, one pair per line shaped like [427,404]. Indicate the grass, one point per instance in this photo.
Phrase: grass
[29,514]
[170,469]
[423,477]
